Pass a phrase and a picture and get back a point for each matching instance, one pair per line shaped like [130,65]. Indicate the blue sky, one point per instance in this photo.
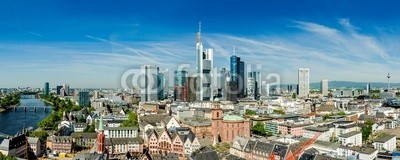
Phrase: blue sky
[92,43]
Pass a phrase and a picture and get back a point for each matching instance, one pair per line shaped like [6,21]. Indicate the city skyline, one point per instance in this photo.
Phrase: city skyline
[92,45]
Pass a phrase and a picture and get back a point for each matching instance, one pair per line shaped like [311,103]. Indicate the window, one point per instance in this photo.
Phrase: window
[217,114]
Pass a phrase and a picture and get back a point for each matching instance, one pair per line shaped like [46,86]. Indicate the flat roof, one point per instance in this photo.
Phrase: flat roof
[385,138]
[350,134]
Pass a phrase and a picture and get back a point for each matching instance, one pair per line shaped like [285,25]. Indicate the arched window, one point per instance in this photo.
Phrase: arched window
[217,114]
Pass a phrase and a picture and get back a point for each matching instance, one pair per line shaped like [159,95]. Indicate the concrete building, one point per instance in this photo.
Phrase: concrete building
[385,143]
[59,144]
[204,70]
[303,87]
[325,133]
[120,132]
[149,89]
[363,153]
[253,85]
[46,89]
[15,146]
[34,145]
[191,87]
[84,140]
[84,98]
[353,138]
[324,87]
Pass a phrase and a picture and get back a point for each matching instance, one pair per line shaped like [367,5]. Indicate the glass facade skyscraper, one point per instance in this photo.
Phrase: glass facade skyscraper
[46,89]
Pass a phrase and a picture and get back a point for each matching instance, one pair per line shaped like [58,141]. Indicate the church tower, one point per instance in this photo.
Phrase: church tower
[216,120]
[100,137]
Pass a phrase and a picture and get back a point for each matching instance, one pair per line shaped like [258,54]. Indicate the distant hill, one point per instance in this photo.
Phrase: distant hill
[350,84]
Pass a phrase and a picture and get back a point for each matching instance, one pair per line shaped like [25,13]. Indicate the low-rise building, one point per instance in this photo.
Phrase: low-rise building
[60,144]
[353,138]
[201,127]
[79,127]
[271,127]
[118,146]
[34,145]
[358,152]
[83,140]
[15,146]
[325,133]
[121,132]
[385,143]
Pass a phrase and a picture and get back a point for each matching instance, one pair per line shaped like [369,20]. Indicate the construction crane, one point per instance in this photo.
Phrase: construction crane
[293,156]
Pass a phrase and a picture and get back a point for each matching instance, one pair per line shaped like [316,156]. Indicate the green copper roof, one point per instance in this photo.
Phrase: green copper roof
[101,126]
[232,118]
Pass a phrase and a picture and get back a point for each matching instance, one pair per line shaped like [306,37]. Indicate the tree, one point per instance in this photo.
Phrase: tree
[92,128]
[259,129]
[250,112]
[132,120]
[4,157]
[42,135]
[366,130]
[279,111]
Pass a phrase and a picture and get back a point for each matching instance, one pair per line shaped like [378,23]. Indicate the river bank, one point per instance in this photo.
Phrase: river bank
[9,107]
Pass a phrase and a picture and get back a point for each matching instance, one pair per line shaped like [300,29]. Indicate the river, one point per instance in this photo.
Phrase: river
[13,121]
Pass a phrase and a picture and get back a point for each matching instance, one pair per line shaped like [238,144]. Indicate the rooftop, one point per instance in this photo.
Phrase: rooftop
[385,138]
[317,129]
[232,118]
[350,134]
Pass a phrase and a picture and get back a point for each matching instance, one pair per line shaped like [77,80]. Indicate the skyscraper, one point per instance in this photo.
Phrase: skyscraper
[237,74]
[46,88]
[84,98]
[58,89]
[231,90]
[149,88]
[161,82]
[179,85]
[66,89]
[191,87]
[303,87]
[204,67]
[253,85]
[324,87]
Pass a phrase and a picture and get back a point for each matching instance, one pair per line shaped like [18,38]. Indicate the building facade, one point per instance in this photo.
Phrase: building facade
[149,87]
[324,87]
[303,87]
[204,68]
[84,98]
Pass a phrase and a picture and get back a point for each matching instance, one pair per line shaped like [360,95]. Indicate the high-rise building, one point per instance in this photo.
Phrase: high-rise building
[324,87]
[303,82]
[191,87]
[253,85]
[149,88]
[237,74]
[204,67]
[96,94]
[46,89]
[179,85]
[161,82]
[221,83]
[84,99]
[231,90]
[58,89]
[368,88]
[66,89]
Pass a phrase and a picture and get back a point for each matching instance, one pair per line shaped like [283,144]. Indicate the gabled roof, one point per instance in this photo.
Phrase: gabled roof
[241,140]
[263,147]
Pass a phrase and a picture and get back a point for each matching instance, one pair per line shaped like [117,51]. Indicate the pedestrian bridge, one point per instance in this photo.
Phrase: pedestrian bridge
[32,108]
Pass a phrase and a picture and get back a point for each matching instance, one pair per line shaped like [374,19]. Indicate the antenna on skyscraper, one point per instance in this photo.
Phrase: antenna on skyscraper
[388,77]
[199,26]
[234,50]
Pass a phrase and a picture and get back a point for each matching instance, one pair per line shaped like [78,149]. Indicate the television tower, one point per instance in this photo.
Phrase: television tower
[388,85]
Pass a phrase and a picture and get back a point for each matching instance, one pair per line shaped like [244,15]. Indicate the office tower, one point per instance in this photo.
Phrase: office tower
[303,82]
[66,89]
[84,99]
[149,88]
[237,74]
[204,67]
[161,83]
[231,90]
[324,87]
[253,81]
[58,89]
[46,89]
[221,83]
[368,88]
[179,85]
[96,94]
[191,87]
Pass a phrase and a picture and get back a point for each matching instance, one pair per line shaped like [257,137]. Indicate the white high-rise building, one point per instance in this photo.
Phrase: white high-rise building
[324,87]
[303,87]
[149,83]
[204,70]
[66,89]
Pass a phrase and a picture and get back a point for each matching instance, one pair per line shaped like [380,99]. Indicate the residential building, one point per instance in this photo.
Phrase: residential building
[325,133]
[59,144]
[303,87]
[204,68]
[121,146]
[353,138]
[35,145]
[201,127]
[227,127]
[357,152]
[385,143]
[271,127]
[84,99]
[79,127]
[121,132]
[149,89]
[292,129]
[84,140]
[14,146]
[238,146]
